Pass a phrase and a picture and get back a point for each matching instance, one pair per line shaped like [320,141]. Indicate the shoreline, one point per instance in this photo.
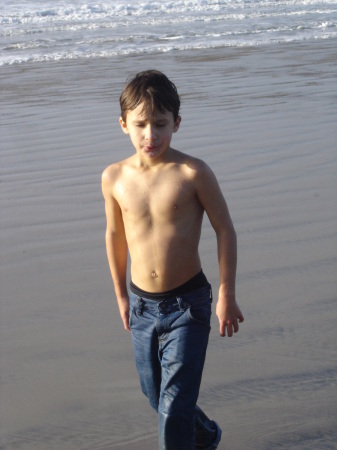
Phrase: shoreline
[200,54]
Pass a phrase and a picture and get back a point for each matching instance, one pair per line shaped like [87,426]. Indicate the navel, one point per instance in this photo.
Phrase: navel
[154,274]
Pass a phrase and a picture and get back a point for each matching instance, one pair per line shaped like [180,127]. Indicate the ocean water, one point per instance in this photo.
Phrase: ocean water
[43,30]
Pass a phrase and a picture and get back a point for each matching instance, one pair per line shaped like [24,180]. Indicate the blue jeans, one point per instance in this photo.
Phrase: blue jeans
[170,339]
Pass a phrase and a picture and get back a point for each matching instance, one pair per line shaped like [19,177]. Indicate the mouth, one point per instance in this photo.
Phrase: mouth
[151,148]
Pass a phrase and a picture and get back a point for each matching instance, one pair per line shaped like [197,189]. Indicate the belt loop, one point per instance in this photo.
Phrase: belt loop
[181,304]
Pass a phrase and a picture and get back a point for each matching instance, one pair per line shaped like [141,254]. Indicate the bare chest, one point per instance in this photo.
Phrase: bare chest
[161,198]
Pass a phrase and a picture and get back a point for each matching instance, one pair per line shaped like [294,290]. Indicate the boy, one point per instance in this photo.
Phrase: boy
[154,203]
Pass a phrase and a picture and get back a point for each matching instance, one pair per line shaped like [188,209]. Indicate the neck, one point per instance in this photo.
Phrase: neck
[154,163]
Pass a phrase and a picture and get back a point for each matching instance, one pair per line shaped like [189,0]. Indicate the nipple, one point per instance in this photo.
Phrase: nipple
[154,275]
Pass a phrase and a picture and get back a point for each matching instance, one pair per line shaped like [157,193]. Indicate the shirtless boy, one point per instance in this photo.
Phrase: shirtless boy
[154,203]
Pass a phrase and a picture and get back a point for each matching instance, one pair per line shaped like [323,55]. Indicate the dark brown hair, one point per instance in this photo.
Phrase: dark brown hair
[154,89]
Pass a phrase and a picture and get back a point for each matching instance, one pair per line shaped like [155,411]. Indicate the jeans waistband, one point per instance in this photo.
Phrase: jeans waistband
[196,282]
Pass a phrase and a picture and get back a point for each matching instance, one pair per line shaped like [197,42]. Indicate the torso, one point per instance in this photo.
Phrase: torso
[162,219]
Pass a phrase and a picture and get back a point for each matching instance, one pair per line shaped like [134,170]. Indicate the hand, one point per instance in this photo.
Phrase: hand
[124,310]
[229,315]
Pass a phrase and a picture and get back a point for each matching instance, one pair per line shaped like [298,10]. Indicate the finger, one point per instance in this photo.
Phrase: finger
[222,329]
[229,330]
[236,326]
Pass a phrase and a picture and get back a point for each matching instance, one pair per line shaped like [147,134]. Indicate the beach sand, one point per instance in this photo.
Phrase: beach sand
[264,119]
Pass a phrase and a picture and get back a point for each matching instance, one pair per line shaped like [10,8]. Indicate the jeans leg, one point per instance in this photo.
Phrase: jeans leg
[145,345]
[183,344]
[207,432]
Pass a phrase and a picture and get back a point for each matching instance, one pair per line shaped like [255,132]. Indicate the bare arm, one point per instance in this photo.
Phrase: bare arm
[210,196]
[116,247]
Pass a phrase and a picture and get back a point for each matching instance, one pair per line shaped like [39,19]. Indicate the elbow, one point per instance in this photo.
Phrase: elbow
[232,234]
[113,239]
[109,237]
[227,232]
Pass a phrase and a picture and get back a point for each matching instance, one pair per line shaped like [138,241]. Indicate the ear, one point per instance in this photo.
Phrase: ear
[123,126]
[176,124]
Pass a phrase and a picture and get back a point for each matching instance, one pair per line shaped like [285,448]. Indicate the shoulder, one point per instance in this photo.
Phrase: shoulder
[196,168]
[203,179]
[189,162]
[111,175]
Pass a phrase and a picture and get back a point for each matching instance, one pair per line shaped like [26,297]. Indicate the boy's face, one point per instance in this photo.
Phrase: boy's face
[150,135]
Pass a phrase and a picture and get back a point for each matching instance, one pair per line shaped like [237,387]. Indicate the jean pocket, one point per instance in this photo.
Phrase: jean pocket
[201,313]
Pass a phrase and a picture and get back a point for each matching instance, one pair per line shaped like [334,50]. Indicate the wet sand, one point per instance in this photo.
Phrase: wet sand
[265,120]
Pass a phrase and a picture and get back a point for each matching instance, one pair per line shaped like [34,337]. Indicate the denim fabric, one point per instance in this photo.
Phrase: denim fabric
[170,339]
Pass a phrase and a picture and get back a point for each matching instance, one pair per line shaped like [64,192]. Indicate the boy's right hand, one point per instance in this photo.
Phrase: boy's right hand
[124,310]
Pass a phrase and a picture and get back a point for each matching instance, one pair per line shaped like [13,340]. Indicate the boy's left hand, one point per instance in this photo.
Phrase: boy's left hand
[229,315]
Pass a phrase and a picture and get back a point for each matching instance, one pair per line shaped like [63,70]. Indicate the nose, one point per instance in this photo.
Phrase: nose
[150,132]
